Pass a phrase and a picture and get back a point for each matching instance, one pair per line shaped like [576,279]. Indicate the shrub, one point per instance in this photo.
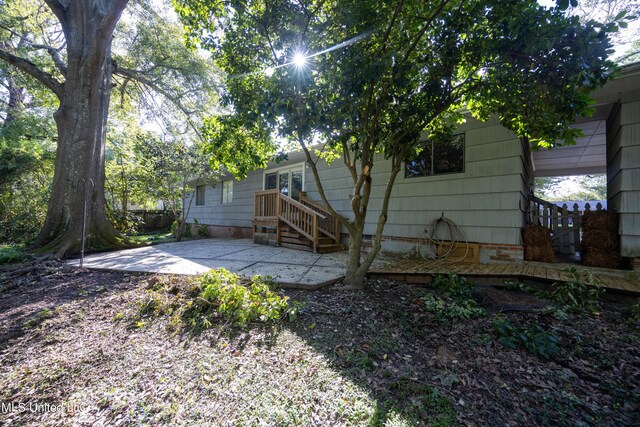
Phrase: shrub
[456,301]
[581,293]
[634,311]
[452,309]
[240,304]
[534,338]
[186,232]
[203,230]
[453,285]
[126,222]
[216,294]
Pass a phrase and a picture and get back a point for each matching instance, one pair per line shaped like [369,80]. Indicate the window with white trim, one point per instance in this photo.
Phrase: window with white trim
[227,191]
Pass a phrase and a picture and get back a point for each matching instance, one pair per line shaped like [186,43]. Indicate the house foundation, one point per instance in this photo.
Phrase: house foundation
[474,253]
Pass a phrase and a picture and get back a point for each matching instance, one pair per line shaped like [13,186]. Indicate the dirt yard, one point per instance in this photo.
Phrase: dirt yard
[71,355]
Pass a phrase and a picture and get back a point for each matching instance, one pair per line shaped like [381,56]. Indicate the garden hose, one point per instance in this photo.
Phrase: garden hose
[442,230]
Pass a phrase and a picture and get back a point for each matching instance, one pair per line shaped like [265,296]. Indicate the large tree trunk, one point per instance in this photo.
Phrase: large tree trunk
[82,125]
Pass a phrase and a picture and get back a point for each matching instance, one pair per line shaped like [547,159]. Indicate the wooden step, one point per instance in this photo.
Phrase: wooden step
[334,247]
[321,240]
[296,241]
[325,241]
[293,234]
[295,246]
[322,249]
[290,238]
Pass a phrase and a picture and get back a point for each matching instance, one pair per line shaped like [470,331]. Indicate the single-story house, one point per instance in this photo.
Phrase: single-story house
[482,181]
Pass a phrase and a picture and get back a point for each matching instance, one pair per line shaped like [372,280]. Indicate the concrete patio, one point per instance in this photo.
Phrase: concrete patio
[287,266]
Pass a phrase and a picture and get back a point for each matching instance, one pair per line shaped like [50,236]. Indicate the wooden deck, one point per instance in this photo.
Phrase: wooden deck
[617,280]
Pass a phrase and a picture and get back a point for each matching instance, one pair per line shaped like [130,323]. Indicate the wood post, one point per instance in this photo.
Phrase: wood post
[278,228]
[315,233]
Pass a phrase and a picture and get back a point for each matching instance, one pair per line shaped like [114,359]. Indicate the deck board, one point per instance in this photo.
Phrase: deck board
[554,272]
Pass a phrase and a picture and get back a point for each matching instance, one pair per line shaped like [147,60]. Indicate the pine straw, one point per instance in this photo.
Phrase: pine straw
[599,258]
[600,220]
[351,358]
[536,235]
[600,246]
[537,244]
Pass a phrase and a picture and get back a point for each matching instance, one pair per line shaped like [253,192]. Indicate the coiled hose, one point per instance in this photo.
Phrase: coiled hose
[439,231]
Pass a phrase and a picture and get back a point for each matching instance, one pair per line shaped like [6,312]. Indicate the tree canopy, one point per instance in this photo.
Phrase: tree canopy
[379,76]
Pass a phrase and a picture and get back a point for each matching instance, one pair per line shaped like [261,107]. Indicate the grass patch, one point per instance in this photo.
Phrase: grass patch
[151,238]
[10,254]
[38,318]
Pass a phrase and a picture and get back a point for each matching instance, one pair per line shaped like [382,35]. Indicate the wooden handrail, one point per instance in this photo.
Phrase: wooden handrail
[299,217]
[318,207]
[273,205]
[265,205]
[266,192]
[301,206]
[330,226]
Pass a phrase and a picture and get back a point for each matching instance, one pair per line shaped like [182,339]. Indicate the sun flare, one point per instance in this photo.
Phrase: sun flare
[299,60]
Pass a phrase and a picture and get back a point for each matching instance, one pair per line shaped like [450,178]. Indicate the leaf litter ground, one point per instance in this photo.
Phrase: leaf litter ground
[351,358]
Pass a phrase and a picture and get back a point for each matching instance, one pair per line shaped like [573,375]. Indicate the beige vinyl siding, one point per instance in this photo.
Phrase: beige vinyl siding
[485,200]
[623,170]
[238,213]
[527,181]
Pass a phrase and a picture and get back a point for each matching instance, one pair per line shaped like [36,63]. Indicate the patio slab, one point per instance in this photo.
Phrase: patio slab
[289,267]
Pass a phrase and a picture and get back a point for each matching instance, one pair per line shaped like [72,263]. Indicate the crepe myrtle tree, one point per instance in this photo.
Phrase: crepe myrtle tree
[378,75]
[68,47]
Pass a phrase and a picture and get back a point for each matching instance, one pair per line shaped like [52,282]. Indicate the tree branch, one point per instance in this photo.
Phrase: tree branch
[59,8]
[424,29]
[382,219]
[55,56]
[138,77]
[34,71]
[112,17]
[387,33]
[347,161]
